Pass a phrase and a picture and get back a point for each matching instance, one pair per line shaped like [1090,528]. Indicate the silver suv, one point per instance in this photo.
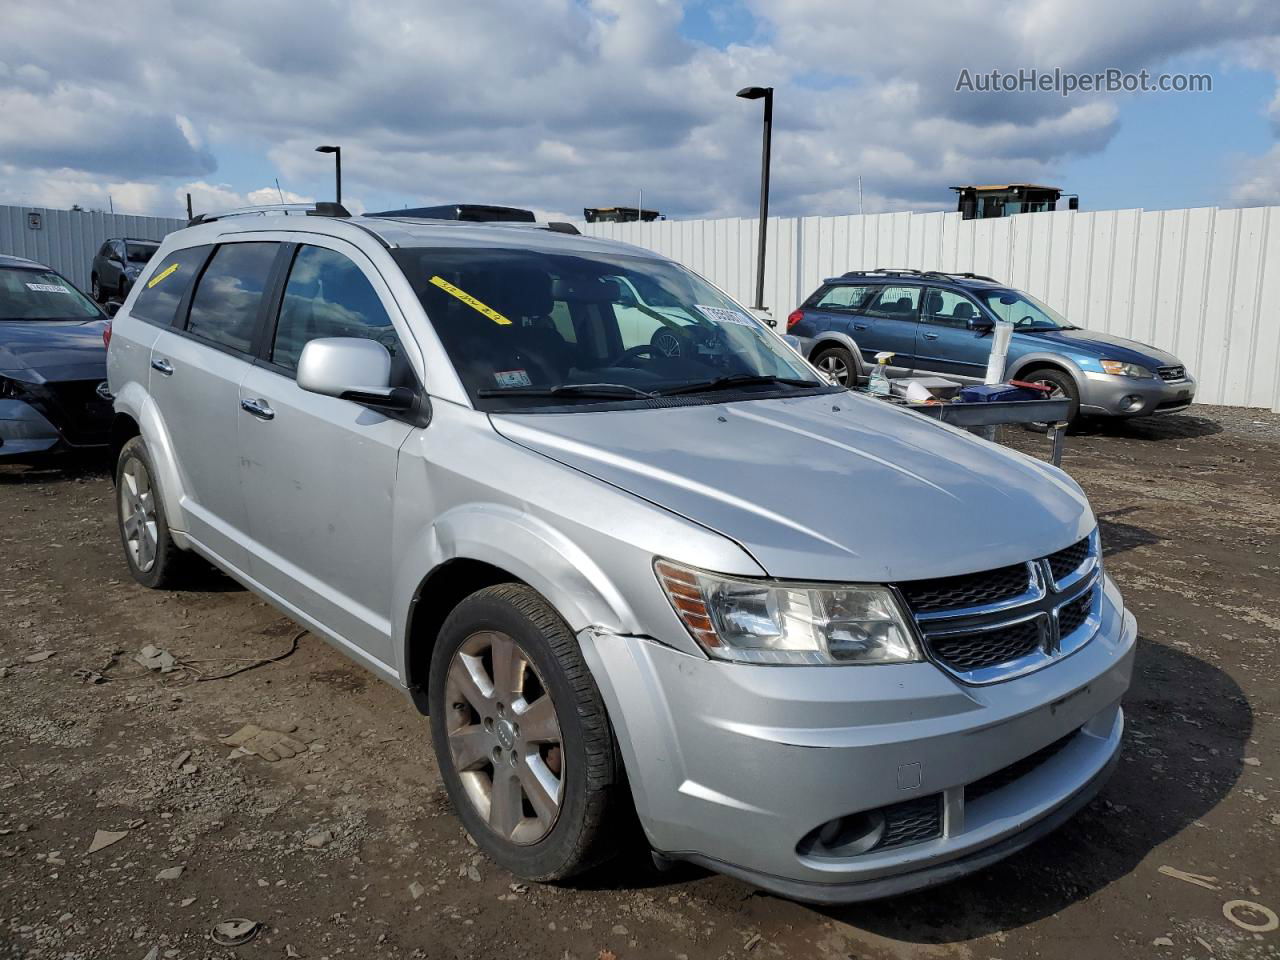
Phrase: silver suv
[813,641]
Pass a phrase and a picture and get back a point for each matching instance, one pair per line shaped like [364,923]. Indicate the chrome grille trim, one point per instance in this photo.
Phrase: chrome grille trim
[1172,373]
[1042,602]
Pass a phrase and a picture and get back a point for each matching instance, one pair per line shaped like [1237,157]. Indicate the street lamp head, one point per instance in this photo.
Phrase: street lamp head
[327,149]
[754,93]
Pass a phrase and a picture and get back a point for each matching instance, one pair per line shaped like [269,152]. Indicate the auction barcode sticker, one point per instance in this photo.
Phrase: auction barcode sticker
[724,315]
[47,288]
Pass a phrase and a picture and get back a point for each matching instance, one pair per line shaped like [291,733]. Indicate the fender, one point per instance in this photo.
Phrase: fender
[134,400]
[827,337]
[526,547]
[1046,358]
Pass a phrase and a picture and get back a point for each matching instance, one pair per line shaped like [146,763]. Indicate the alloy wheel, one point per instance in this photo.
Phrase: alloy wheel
[97,291]
[504,737]
[138,514]
[835,368]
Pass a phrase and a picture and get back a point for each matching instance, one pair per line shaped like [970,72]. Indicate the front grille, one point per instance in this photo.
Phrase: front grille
[1015,771]
[986,627]
[986,648]
[1073,614]
[1177,372]
[966,590]
[912,821]
[1066,562]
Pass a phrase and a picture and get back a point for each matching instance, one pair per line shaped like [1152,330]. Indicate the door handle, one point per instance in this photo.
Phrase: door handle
[931,336]
[163,365]
[258,408]
[859,326]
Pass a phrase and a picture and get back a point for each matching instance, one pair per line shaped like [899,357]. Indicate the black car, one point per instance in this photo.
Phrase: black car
[53,364]
[117,265]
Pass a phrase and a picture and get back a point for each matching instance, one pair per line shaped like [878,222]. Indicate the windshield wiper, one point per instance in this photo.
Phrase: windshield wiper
[737,380]
[568,390]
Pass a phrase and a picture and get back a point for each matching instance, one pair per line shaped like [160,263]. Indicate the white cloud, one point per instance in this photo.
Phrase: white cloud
[560,104]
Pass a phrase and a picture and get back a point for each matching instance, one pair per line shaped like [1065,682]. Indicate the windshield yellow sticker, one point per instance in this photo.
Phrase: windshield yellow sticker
[471,301]
[171,268]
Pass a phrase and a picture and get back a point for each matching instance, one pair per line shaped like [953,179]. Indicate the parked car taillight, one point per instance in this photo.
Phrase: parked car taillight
[794,317]
[106,335]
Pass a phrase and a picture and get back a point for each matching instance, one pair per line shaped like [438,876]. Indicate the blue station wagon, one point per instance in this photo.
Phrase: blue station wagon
[941,323]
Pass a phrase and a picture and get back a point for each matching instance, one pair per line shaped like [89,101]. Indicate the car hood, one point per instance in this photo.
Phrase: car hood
[1103,346]
[53,349]
[824,487]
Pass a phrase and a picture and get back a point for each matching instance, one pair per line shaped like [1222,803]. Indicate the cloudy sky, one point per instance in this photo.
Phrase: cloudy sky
[561,104]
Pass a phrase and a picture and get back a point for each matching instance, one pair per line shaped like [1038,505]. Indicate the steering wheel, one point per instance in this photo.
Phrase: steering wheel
[631,353]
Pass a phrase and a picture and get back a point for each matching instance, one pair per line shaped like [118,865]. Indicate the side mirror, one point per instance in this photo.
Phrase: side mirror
[351,368]
[111,308]
[980,324]
[765,317]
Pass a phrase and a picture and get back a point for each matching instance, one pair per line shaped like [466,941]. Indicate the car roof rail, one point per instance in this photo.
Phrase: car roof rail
[320,208]
[912,272]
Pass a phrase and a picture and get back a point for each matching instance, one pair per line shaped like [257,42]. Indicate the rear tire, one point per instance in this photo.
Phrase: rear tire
[154,559]
[838,363]
[96,289]
[522,736]
[1062,385]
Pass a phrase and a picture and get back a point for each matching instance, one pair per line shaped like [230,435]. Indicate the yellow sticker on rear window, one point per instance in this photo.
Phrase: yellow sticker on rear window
[171,268]
[471,301]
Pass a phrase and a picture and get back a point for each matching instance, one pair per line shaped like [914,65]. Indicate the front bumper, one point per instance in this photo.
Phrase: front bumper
[25,432]
[734,765]
[1105,394]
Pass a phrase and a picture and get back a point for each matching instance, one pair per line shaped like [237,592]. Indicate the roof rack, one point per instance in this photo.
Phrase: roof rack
[321,208]
[911,272]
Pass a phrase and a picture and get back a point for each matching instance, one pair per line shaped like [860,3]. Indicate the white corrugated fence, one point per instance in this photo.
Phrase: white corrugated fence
[68,239]
[1202,283]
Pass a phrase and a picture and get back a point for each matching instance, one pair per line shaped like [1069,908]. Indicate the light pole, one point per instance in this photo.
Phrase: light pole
[337,169]
[756,93]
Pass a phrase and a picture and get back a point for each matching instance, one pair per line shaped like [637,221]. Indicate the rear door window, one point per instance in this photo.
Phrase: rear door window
[895,303]
[328,296]
[844,297]
[164,289]
[225,305]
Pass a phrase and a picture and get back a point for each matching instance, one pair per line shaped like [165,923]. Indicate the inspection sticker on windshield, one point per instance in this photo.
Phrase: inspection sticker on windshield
[724,315]
[47,288]
[167,271]
[471,301]
[512,378]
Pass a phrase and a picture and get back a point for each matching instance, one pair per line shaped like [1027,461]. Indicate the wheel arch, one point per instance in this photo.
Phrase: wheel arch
[135,409]
[834,338]
[479,545]
[1055,361]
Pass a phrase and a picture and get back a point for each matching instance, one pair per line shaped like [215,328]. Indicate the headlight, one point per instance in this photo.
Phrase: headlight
[762,621]
[1118,369]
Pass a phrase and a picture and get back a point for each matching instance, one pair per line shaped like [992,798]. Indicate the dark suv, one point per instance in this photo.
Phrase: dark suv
[941,323]
[117,265]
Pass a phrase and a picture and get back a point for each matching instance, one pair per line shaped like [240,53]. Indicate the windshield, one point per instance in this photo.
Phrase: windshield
[141,252]
[41,295]
[1024,311]
[527,328]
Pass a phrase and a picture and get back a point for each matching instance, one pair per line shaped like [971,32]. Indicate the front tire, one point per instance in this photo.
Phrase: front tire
[154,559]
[522,737]
[1061,386]
[96,289]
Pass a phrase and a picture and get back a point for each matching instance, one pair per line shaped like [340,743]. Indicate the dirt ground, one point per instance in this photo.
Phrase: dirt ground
[350,850]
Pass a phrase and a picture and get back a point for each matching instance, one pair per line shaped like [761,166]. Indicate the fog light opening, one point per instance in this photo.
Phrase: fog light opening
[1130,403]
[845,836]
